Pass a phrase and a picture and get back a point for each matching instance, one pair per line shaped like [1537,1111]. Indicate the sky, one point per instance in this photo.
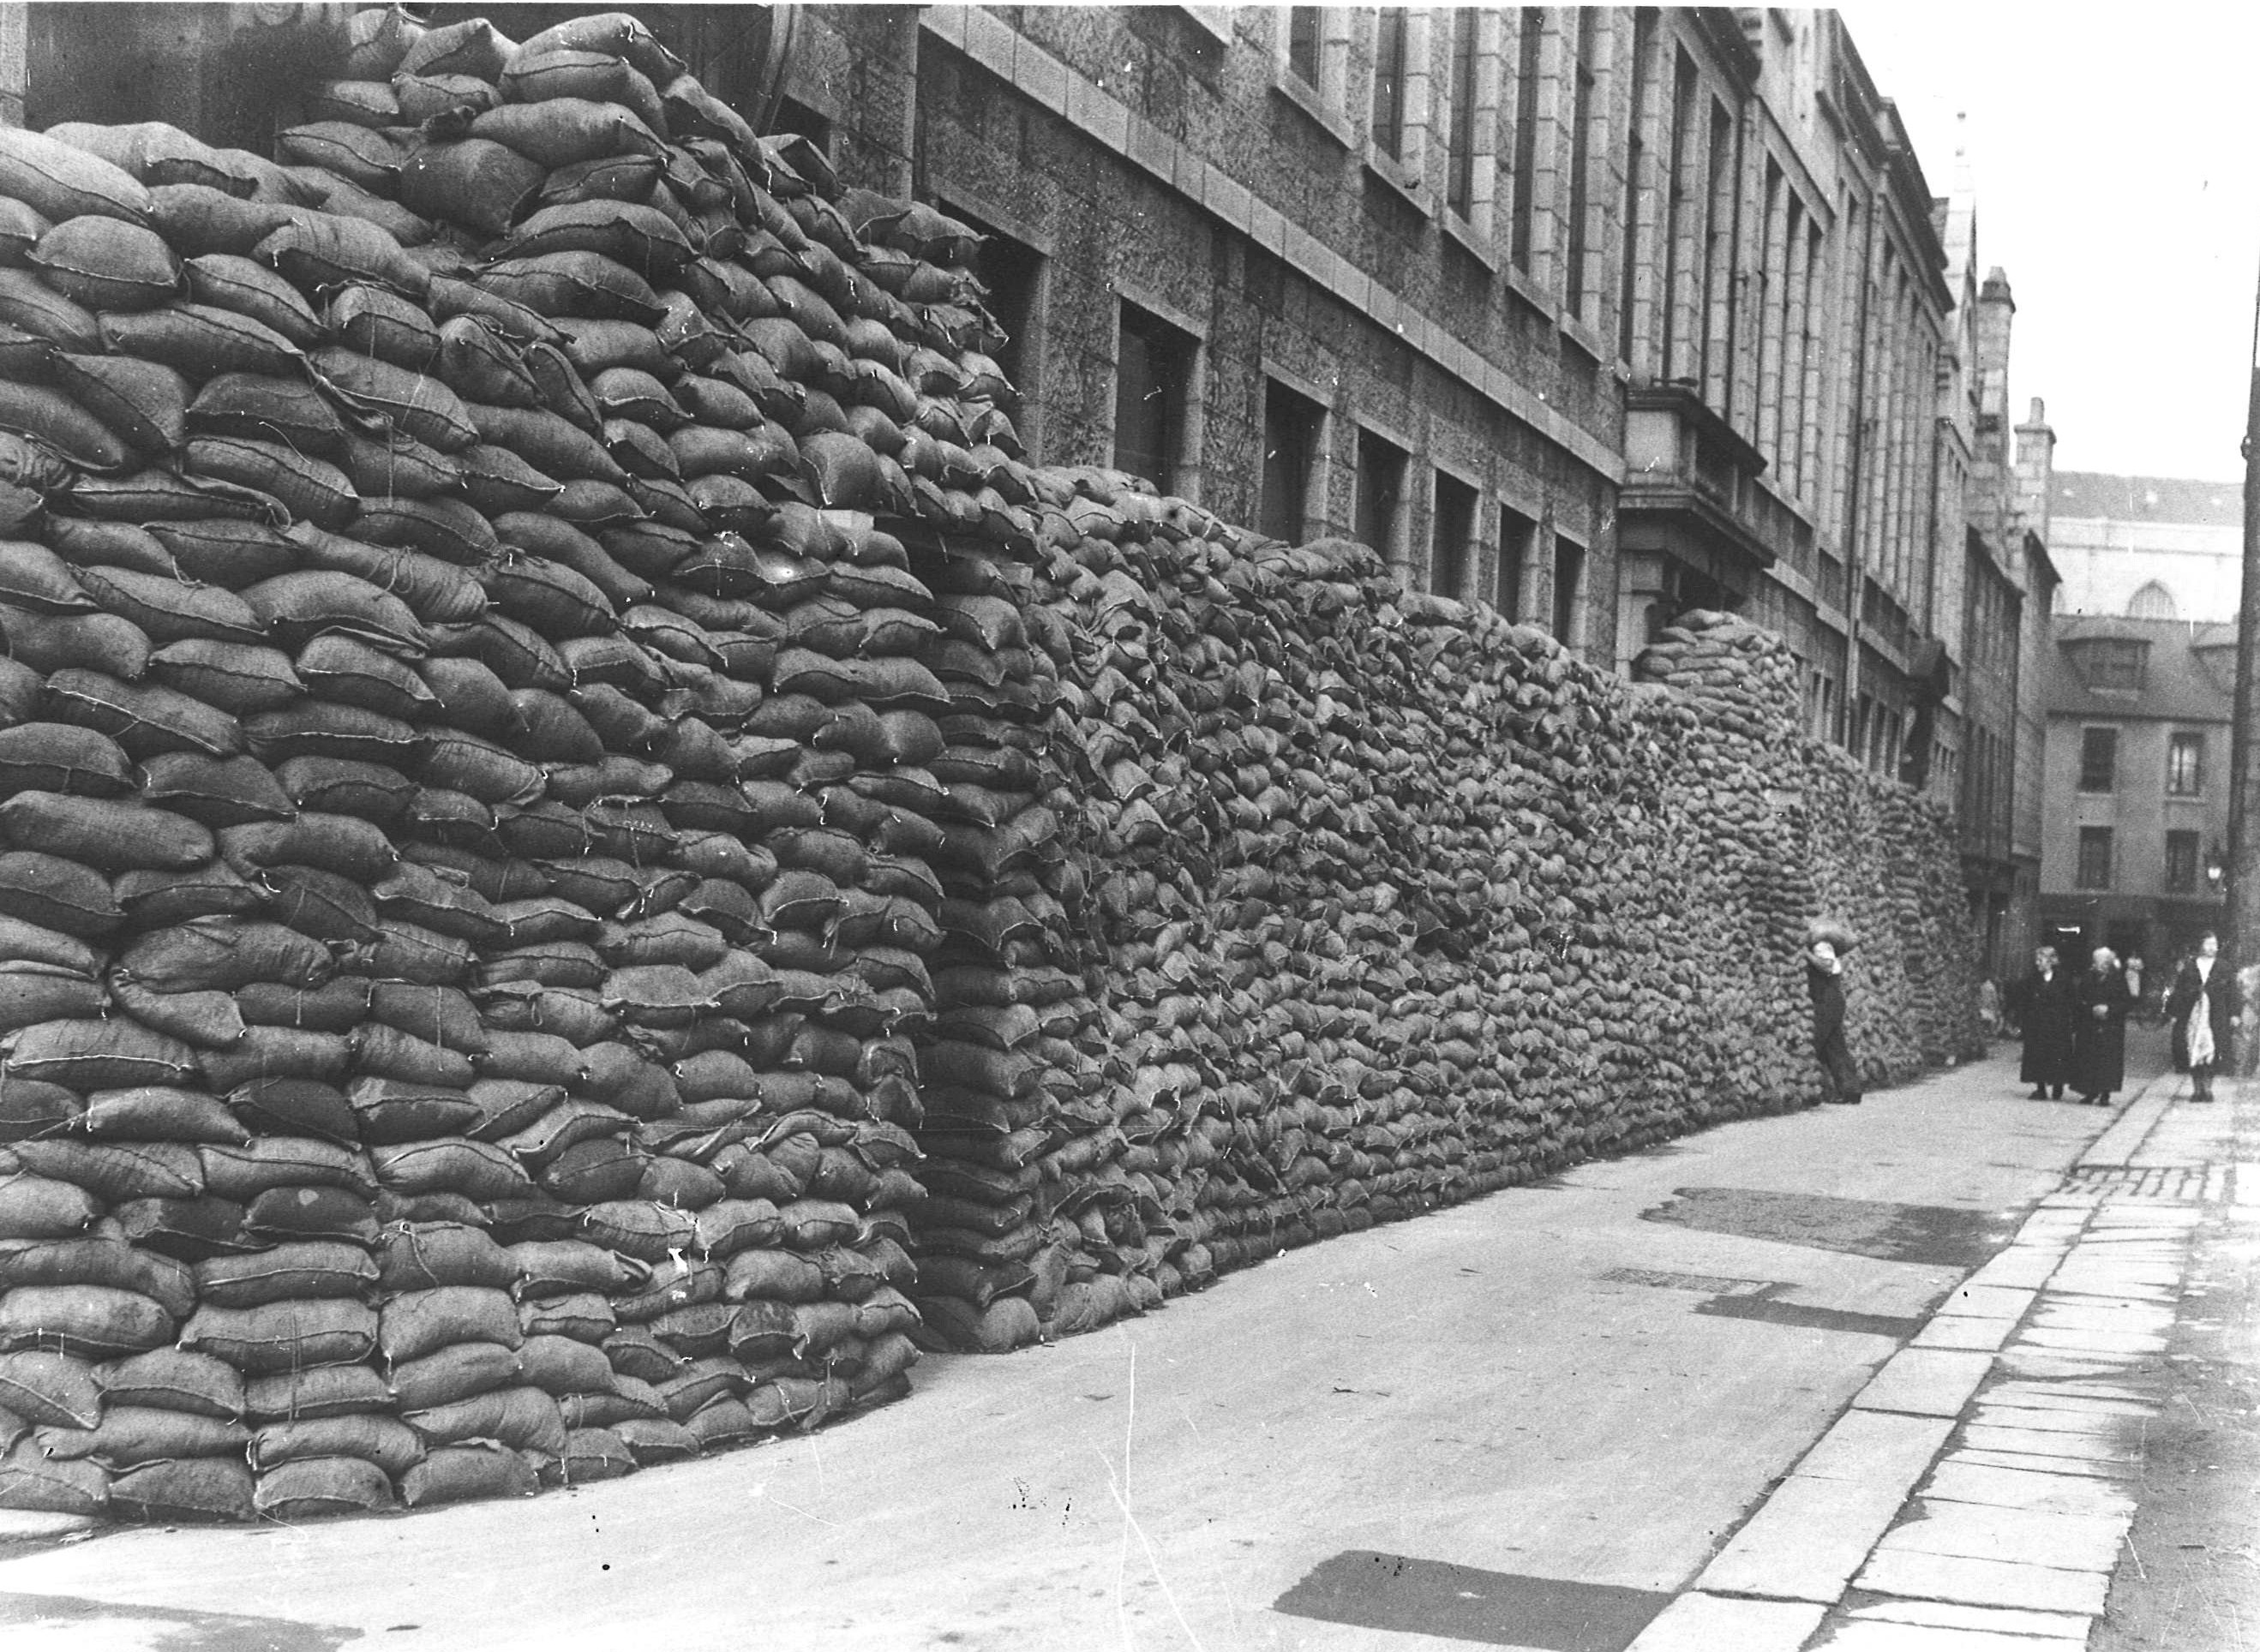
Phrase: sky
[2116,160]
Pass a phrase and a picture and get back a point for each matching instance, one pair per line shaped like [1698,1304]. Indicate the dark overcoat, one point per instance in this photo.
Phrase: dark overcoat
[2099,1042]
[2220,995]
[2045,1011]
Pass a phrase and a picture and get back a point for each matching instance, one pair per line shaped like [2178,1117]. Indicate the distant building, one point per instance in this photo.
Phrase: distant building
[2137,783]
[2148,547]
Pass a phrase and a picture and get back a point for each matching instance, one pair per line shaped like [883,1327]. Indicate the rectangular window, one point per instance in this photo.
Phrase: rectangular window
[1013,272]
[1568,591]
[1451,537]
[1581,116]
[1291,425]
[2099,759]
[1153,377]
[1638,185]
[793,116]
[2095,857]
[1518,537]
[1304,40]
[1525,133]
[1716,328]
[1392,27]
[1380,494]
[1460,186]
[2186,766]
[1678,230]
[2181,862]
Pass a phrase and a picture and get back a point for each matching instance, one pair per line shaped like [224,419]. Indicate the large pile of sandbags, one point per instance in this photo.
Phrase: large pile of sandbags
[569,805]
[467,845]
[1379,902]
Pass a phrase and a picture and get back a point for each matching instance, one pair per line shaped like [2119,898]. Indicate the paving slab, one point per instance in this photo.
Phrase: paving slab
[1899,1637]
[2054,1396]
[1932,1381]
[2017,1488]
[2047,1442]
[1957,1331]
[1807,1539]
[2019,1269]
[1875,1447]
[2085,1542]
[2059,1420]
[1707,1623]
[1989,1301]
[1948,1614]
[2039,1463]
[1986,1583]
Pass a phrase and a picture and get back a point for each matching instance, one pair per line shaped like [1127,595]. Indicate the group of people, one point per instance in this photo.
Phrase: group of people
[2074,1025]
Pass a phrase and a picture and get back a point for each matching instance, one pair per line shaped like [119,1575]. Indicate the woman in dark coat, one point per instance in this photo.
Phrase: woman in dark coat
[2045,1012]
[2202,1008]
[2099,1062]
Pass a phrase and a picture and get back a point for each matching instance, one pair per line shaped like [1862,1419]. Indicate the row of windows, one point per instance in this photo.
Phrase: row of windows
[1296,436]
[2186,865]
[2098,763]
[1729,275]
[1157,378]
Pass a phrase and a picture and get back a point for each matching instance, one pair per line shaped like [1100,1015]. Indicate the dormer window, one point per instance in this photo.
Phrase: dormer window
[2110,663]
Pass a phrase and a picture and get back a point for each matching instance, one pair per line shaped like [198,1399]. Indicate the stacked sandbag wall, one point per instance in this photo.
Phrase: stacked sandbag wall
[1382,902]
[468,868]
[568,804]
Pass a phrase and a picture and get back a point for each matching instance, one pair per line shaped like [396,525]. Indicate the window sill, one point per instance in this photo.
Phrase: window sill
[1480,247]
[1400,179]
[1305,96]
[1529,291]
[1585,339]
[1213,21]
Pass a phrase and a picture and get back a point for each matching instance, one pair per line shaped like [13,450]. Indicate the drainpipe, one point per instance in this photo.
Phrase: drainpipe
[2244,939]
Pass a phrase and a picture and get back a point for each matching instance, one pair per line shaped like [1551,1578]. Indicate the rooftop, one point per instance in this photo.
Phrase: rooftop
[2090,493]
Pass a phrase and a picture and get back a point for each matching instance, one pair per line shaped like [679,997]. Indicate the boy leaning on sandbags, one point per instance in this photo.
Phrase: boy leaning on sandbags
[1824,979]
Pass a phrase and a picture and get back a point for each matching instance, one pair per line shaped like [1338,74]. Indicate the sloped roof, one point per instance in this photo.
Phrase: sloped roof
[2092,493]
[2177,686]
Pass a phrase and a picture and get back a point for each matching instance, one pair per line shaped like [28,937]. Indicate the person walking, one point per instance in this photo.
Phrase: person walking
[2100,1028]
[2045,1012]
[2202,1008]
[1824,979]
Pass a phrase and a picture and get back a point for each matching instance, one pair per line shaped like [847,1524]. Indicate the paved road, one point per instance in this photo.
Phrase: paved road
[1558,1418]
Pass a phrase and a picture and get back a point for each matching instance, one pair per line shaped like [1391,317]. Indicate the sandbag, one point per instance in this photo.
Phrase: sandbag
[476,182]
[60,183]
[106,263]
[91,1322]
[282,1336]
[309,1487]
[187,1489]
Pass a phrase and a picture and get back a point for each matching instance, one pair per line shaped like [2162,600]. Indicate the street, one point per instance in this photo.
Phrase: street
[1532,1420]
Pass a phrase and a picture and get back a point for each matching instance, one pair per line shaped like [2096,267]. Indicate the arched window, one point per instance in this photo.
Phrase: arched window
[2153,601]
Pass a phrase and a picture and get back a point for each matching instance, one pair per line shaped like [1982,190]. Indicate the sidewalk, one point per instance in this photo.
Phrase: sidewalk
[1693,1398]
[1978,1494]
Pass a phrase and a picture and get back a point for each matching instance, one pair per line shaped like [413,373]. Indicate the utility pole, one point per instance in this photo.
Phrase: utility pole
[2243,937]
